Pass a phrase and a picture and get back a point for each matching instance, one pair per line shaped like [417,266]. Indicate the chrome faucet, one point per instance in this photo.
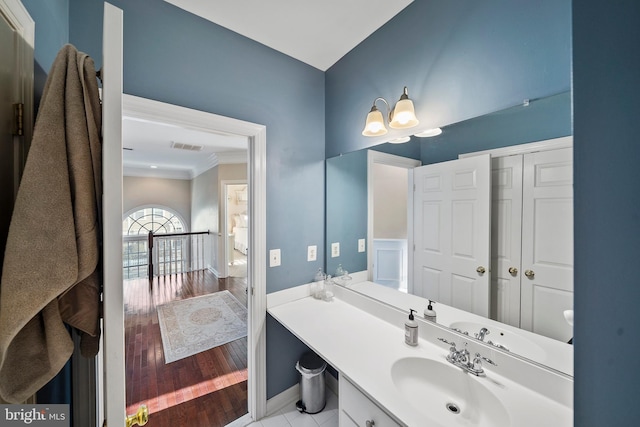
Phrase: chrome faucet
[483,332]
[462,359]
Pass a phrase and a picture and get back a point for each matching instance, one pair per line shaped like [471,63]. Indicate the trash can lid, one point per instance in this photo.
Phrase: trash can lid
[311,363]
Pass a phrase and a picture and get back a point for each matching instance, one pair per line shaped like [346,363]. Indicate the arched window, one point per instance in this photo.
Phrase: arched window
[158,220]
[135,230]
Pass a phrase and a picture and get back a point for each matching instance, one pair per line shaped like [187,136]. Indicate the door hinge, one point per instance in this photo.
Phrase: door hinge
[18,119]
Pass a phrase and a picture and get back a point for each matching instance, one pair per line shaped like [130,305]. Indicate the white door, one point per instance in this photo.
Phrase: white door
[452,220]
[506,232]
[547,243]
[113,333]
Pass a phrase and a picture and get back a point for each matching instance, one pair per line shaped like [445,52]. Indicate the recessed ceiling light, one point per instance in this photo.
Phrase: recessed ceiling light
[429,132]
[153,167]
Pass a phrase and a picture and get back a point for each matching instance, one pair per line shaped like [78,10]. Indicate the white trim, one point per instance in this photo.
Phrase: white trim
[279,401]
[155,111]
[390,160]
[243,421]
[284,296]
[19,19]
[547,144]
[113,377]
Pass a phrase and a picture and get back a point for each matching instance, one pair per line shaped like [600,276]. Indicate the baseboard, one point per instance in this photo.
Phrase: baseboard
[331,382]
[292,394]
[243,421]
[279,401]
[214,271]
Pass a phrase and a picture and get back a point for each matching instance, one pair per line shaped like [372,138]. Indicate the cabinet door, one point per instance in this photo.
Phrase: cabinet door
[356,409]
[547,243]
[506,232]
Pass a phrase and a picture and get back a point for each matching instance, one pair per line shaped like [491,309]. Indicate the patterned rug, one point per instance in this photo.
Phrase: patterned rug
[197,324]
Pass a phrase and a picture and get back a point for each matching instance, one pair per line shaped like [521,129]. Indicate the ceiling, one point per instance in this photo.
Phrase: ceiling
[316,33]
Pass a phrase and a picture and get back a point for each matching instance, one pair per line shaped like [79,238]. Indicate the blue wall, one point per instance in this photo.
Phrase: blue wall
[175,57]
[52,32]
[497,70]
[459,59]
[606,84]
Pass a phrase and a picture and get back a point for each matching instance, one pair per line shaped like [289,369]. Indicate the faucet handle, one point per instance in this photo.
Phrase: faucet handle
[480,358]
[451,343]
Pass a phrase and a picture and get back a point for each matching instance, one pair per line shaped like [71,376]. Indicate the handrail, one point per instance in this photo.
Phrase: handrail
[199,250]
[179,234]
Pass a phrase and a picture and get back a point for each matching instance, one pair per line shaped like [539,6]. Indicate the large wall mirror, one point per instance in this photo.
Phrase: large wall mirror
[373,226]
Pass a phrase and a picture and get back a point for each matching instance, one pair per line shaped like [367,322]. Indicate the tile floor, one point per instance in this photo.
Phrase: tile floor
[290,417]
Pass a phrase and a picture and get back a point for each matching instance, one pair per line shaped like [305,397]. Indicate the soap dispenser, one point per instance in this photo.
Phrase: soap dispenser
[411,330]
[429,312]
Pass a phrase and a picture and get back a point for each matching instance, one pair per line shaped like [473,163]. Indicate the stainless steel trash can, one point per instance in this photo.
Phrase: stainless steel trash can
[312,388]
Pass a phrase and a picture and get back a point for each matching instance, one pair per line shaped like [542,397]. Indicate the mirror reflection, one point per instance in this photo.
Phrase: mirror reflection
[497,260]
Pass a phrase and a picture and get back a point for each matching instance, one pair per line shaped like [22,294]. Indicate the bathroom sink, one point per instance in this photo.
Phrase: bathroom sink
[513,341]
[440,391]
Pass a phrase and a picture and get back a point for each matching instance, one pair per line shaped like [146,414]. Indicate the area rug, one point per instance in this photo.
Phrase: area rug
[196,324]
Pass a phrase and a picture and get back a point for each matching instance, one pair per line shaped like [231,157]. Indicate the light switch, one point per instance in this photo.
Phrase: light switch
[361,245]
[274,258]
[312,253]
[335,249]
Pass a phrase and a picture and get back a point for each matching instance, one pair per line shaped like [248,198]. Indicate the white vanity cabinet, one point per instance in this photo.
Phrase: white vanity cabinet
[356,409]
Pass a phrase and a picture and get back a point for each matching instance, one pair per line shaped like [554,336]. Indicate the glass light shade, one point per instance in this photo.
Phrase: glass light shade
[400,140]
[429,133]
[374,126]
[404,115]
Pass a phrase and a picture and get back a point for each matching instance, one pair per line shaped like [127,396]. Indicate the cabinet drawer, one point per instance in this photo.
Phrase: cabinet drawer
[359,409]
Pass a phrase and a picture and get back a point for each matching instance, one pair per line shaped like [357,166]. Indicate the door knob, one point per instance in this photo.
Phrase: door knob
[481,270]
[529,273]
[513,271]
[141,417]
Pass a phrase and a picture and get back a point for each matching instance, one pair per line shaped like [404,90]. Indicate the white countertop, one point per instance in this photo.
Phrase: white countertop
[547,351]
[363,347]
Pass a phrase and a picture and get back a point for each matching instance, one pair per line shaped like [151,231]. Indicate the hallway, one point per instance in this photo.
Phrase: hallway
[207,389]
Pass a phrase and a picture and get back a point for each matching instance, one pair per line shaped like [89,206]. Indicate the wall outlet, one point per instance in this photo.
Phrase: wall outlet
[335,249]
[274,258]
[312,253]
[361,245]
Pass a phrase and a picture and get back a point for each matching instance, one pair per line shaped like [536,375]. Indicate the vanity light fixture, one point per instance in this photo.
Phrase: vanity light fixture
[400,140]
[429,133]
[403,116]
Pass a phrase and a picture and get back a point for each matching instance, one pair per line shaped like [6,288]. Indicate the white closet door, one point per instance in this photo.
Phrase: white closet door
[547,243]
[113,336]
[506,232]
[452,207]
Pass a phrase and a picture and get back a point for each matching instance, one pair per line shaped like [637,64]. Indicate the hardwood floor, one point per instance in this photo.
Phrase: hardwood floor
[207,389]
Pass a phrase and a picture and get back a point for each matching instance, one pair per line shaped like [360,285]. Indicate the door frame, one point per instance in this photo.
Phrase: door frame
[19,19]
[146,109]
[374,157]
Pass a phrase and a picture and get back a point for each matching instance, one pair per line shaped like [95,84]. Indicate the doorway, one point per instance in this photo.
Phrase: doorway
[390,224]
[236,225]
[254,387]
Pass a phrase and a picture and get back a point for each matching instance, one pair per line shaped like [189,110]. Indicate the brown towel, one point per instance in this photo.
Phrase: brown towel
[51,269]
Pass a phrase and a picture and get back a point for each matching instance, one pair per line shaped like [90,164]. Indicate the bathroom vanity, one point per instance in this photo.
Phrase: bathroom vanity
[384,382]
